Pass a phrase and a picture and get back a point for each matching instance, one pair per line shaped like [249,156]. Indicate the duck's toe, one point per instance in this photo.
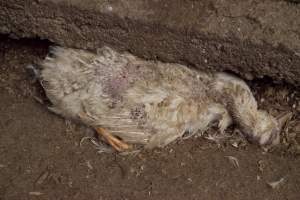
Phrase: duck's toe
[116,143]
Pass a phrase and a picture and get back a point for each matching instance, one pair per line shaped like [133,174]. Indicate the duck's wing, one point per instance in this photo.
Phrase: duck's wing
[170,112]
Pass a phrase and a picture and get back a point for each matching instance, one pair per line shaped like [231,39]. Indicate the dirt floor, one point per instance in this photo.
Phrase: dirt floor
[41,156]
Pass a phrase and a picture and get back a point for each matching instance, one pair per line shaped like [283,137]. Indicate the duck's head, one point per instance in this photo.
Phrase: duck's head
[266,130]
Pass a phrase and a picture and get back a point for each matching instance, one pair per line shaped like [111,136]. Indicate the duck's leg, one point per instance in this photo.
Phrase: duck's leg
[221,114]
[225,121]
[113,141]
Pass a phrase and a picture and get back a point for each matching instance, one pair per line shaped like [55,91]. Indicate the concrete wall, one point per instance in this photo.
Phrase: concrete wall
[250,37]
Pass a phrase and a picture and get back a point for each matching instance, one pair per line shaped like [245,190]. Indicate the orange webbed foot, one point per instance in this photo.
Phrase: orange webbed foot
[116,143]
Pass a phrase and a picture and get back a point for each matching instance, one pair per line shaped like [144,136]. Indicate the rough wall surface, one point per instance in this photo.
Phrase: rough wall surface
[254,38]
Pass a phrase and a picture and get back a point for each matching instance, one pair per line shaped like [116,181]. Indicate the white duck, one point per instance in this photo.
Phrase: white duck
[128,100]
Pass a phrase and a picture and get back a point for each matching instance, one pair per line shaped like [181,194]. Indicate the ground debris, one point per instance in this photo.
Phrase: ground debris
[36,193]
[276,184]
[233,161]
[261,165]
[217,138]
[42,178]
[89,165]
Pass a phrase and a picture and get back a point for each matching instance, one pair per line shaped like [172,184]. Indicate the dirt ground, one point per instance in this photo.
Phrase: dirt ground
[41,156]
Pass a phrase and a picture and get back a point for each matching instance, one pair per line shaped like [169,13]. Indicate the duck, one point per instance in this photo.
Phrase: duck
[131,101]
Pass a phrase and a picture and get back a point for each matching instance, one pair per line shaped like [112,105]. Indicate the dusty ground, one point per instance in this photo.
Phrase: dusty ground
[40,156]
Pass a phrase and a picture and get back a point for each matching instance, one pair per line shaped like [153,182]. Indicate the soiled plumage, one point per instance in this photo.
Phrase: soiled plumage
[149,102]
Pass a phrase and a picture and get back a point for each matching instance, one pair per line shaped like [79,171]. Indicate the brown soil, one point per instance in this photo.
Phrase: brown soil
[40,155]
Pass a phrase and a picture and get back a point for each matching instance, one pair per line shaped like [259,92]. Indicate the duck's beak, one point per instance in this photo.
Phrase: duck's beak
[282,119]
